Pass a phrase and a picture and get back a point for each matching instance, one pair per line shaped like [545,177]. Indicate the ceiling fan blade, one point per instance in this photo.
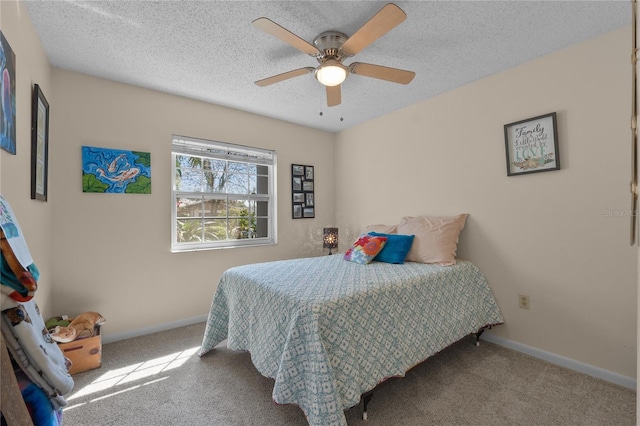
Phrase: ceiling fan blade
[284,76]
[268,26]
[393,75]
[381,23]
[334,95]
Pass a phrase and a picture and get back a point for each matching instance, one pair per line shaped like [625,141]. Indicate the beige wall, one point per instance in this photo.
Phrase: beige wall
[112,251]
[545,235]
[32,67]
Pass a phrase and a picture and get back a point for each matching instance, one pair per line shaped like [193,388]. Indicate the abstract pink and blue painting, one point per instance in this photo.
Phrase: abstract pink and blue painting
[7,97]
[116,171]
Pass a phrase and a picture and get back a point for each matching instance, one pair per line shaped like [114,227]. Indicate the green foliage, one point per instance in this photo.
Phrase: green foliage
[91,184]
[191,231]
[144,158]
[246,224]
[142,185]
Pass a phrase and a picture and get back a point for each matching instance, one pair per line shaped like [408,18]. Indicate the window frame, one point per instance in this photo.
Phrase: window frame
[183,145]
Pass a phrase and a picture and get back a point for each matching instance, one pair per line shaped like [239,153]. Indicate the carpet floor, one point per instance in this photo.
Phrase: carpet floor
[158,379]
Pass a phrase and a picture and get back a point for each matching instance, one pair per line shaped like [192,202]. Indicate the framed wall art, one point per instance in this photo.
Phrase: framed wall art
[39,145]
[8,103]
[107,170]
[532,145]
[302,191]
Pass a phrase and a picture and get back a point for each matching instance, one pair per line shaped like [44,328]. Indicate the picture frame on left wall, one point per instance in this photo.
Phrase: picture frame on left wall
[39,145]
[8,96]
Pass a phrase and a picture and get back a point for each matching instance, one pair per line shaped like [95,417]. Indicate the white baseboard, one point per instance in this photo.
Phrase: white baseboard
[597,372]
[108,338]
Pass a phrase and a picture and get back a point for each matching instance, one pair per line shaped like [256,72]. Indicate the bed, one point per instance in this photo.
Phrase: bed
[329,331]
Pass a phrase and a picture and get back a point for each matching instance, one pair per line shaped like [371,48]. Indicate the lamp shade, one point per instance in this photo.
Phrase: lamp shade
[331,73]
[330,238]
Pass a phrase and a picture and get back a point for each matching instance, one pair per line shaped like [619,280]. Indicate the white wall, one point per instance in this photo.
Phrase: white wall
[32,67]
[545,235]
[112,251]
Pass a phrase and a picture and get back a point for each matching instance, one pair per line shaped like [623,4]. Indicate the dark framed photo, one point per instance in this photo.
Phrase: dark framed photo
[308,172]
[39,145]
[297,184]
[532,145]
[298,197]
[297,170]
[297,211]
[309,212]
[309,199]
[307,186]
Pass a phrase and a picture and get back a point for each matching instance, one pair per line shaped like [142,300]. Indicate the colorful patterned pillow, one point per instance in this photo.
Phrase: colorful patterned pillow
[396,248]
[365,249]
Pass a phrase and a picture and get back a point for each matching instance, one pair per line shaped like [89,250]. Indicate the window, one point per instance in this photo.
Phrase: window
[222,194]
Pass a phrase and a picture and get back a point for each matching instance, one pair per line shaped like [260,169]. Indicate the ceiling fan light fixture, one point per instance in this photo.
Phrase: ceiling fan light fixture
[331,73]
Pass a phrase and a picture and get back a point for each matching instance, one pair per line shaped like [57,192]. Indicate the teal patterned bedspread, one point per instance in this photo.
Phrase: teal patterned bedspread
[328,330]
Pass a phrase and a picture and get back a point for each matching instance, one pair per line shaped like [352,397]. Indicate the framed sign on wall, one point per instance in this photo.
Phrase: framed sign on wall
[532,145]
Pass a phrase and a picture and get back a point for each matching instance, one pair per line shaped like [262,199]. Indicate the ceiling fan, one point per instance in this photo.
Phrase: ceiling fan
[330,48]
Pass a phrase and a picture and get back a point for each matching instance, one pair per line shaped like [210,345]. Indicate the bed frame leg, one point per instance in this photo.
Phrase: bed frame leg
[478,334]
[366,398]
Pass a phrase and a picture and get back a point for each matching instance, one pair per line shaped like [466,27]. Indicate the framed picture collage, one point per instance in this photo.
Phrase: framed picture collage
[302,191]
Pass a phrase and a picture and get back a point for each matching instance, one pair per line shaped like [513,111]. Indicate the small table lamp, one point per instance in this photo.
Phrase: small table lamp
[330,238]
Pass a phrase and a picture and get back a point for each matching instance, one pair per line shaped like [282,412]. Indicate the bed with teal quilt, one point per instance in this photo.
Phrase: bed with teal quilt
[328,330]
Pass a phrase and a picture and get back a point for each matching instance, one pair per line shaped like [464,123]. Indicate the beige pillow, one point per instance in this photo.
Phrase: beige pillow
[383,229]
[436,237]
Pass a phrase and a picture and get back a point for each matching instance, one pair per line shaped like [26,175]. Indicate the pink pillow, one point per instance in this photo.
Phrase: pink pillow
[436,238]
[383,229]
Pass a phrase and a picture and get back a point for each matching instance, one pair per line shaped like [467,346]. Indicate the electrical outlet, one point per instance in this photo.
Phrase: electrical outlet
[523,301]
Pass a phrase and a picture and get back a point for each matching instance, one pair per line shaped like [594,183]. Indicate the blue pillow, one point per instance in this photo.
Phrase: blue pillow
[396,248]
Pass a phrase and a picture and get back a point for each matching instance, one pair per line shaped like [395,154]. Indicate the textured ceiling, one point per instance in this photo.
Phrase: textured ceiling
[208,50]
